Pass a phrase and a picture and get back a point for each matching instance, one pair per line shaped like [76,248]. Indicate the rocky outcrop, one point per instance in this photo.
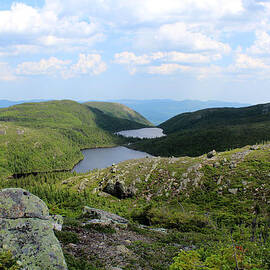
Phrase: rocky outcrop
[119,189]
[100,216]
[26,229]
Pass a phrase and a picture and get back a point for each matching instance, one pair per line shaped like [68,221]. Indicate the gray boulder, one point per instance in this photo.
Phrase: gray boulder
[26,229]
[97,215]
[119,189]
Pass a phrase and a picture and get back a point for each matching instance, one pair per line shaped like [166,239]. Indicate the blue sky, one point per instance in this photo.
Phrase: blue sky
[139,49]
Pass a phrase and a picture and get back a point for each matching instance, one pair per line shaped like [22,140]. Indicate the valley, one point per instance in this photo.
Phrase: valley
[191,203]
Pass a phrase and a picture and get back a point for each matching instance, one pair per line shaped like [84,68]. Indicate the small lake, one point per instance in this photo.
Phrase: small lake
[143,133]
[100,158]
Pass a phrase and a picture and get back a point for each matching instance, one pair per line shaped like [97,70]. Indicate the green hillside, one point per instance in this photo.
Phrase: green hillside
[49,135]
[216,212]
[119,111]
[196,133]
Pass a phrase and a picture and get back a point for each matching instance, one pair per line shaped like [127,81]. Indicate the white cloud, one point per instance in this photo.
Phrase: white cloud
[261,44]
[203,72]
[170,61]
[24,25]
[244,61]
[129,58]
[50,66]
[90,64]
[124,11]
[166,69]
[179,36]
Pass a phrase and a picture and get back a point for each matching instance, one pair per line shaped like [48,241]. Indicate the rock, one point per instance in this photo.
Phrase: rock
[119,189]
[233,190]
[20,131]
[211,154]
[122,250]
[57,222]
[254,147]
[97,214]
[26,229]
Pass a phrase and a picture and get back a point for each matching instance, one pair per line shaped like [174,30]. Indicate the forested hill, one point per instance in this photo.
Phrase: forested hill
[119,110]
[48,136]
[196,133]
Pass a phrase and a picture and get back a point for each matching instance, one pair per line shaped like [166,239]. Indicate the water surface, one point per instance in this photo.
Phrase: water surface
[100,158]
[143,133]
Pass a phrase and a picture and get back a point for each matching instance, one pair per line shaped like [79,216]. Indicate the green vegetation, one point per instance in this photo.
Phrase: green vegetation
[119,111]
[213,209]
[48,136]
[194,134]
[7,261]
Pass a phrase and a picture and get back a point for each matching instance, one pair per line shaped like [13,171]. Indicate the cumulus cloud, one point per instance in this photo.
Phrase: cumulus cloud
[147,10]
[261,44]
[244,61]
[180,36]
[129,58]
[49,66]
[25,25]
[90,64]
[170,61]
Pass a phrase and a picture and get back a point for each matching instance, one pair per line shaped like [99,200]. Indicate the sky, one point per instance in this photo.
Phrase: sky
[135,49]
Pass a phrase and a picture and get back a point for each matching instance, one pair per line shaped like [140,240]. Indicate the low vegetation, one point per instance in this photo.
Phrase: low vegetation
[215,211]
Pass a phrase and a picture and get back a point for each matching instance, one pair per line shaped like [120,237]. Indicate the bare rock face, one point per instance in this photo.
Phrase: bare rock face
[26,229]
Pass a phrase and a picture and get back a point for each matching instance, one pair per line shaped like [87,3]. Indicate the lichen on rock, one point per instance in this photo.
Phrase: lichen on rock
[27,231]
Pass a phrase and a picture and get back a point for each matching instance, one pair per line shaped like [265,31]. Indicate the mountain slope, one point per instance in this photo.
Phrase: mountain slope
[160,110]
[119,110]
[216,206]
[196,133]
[49,135]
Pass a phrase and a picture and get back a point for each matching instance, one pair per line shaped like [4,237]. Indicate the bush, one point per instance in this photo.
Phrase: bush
[8,262]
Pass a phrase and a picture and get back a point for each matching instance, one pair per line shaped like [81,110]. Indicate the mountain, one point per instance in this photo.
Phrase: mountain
[195,211]
[198,132]
[48,136]
[160,110]
[119,111]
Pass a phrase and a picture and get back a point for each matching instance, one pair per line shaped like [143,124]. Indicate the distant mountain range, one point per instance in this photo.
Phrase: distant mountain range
[156,110]
[160,110]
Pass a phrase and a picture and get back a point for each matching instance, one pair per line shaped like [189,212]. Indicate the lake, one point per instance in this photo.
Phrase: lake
[100,158]
[143,133]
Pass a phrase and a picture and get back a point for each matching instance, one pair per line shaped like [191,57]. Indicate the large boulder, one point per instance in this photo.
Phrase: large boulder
[97,214]
[119,189]
[26,229]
